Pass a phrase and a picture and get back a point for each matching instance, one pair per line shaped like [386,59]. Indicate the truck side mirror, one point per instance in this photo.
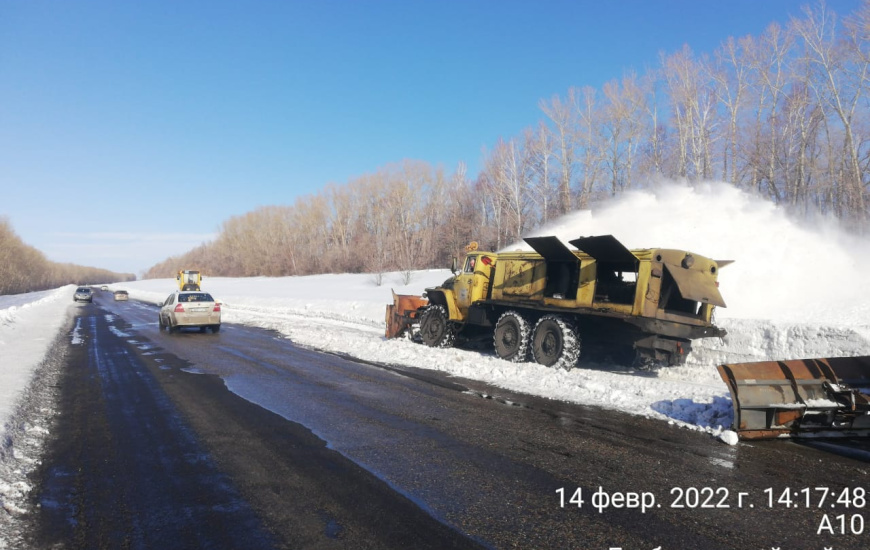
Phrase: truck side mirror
[453,266]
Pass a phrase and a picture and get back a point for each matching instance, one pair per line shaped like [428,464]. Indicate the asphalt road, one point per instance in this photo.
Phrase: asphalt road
[242,440]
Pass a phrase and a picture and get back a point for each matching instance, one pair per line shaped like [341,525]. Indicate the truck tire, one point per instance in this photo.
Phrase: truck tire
[555,342]
[436,329]
[511,337]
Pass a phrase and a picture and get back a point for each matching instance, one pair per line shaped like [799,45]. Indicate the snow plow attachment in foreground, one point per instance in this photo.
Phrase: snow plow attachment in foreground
[800,398]
[402,313]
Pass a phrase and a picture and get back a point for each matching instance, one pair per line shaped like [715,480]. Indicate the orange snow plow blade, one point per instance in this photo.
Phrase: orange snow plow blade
[800,398]
[402,313]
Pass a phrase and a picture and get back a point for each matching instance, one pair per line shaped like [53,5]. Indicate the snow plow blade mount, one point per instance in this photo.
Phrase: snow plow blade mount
[402,313]
[800,398]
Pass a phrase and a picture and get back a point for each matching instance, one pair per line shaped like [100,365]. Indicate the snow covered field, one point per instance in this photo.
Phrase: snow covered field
[794,291]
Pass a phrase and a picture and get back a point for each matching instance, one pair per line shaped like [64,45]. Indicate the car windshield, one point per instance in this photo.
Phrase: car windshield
[83,290]
[195,297]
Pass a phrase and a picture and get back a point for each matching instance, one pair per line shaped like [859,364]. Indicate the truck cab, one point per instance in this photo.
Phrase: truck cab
[189,279]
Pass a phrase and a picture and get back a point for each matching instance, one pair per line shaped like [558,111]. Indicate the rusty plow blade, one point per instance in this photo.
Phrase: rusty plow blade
[800,398]
[402,313]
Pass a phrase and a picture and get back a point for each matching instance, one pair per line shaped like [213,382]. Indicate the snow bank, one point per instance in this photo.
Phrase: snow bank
[792,292]
[784,271]
[28,325]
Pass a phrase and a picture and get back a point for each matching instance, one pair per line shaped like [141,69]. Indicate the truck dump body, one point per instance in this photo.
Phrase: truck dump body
[652,301]
[648,288]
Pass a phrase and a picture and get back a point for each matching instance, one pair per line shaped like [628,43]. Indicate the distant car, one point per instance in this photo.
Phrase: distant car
[104,288]
[190,310]
[83,294]
[121,296]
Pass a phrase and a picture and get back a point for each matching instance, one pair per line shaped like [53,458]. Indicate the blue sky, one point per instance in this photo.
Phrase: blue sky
[129,131]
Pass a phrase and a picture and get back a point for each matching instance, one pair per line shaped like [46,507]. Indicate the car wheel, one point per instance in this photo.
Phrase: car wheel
[215,328]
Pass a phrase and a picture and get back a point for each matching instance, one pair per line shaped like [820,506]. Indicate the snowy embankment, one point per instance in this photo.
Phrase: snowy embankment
[791,293]
[344,314]
[29,323]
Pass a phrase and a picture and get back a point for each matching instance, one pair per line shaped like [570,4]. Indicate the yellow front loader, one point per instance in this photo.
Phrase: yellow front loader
[189,280]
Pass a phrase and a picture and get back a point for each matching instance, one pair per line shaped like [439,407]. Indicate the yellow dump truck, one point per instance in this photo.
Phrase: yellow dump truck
[189,279]
[640,306]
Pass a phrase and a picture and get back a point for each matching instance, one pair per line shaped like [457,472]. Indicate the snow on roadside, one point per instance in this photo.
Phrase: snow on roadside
[349,320]
[29,325]
[781,304]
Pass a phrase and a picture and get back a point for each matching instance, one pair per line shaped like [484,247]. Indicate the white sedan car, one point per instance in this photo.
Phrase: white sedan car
[194,309]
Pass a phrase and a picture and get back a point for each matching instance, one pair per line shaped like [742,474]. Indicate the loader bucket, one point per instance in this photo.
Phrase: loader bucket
[402,313]
[800,398]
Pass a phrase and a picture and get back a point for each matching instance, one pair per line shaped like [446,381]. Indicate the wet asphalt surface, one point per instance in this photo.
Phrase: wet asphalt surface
[310,450]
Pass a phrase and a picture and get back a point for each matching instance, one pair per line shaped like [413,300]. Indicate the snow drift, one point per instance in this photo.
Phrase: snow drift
[793,292]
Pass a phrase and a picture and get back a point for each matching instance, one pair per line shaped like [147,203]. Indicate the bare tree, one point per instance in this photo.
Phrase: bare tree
[564,118]
[694,112]
[621,129]
[731,80]
[507,169]
[543,192]
[591,144]
[769,59]
[842,66]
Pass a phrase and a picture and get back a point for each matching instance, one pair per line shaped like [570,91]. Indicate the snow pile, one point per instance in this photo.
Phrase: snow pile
[28,325]
[792,292]
[784,271]
[790,295]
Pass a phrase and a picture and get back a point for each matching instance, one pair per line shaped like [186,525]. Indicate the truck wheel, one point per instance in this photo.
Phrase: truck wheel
[555,342]
[511,337]
[435,328]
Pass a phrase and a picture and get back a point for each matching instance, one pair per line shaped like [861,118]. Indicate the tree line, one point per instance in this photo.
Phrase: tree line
[26,269]
[403,217]
[783,115]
